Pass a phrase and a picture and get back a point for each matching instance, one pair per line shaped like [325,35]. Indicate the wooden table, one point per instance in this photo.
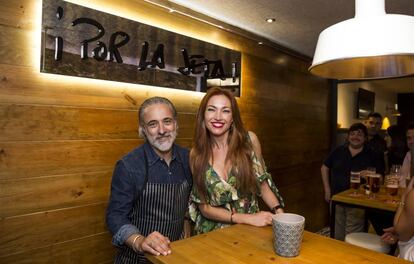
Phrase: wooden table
[243,244]
[382,201]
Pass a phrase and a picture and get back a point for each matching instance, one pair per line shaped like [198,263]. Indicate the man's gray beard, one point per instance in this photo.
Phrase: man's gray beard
[164,147]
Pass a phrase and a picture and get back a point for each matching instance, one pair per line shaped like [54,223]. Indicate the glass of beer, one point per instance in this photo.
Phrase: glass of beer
[355,179]
[374,184]
[391,184]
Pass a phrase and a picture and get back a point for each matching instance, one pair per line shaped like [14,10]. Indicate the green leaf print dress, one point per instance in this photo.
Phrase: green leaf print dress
[225,195]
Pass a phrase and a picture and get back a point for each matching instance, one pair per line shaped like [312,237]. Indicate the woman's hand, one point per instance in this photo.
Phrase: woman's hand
[389,236]
[262,218]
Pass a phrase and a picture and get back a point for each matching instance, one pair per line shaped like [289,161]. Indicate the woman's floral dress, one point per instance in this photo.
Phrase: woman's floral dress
[224,194]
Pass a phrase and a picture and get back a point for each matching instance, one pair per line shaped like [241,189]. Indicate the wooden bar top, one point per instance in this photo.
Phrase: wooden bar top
[243,244]
[382,200]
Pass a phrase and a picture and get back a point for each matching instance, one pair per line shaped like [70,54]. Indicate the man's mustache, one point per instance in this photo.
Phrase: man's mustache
[163,136]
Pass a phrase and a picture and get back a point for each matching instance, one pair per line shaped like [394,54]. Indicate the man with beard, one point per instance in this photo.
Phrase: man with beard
[352,156]
[150,187]
[408,164]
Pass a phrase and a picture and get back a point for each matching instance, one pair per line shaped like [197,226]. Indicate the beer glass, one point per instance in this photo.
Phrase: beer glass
[355,179]
[374,184]
[368,172]
[396,171]
[391,184]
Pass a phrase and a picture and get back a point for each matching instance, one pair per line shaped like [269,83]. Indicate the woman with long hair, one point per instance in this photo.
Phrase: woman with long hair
[228,169]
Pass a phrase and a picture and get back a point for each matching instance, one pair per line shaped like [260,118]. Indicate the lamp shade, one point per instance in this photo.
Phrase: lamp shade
[372,45]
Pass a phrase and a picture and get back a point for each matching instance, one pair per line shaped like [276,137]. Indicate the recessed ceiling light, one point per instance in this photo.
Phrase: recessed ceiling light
[260,43]
[270,20]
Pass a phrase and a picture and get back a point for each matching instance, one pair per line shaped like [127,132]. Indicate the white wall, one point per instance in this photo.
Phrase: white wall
[347,102]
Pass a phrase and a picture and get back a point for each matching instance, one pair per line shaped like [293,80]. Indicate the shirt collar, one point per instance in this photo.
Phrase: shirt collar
[153,157]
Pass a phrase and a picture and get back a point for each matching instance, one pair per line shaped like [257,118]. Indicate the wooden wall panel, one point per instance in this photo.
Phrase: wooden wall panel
[42,158]
[29,159]
[23,85]
[28,122]
[31,231]
[89,249]
[60,136]
[30,195]
[18,13]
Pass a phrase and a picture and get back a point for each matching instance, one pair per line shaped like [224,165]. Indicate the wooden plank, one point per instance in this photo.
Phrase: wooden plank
[273,108]
[42,158]
[37,122]
[32,231]
[19,13]
[25,85]
[24,196]
[279,160]
[29,159]
[91,249]
[291,145]
[301,129]
[292,175]
[17,46]
[294,91]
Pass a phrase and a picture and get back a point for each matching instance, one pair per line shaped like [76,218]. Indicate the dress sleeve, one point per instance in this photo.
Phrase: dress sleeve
[195,196]
[262,175]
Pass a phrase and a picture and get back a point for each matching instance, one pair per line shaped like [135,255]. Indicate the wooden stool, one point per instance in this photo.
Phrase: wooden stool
[368,241]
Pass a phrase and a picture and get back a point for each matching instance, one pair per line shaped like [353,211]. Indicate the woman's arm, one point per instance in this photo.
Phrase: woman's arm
[404,217]
[269,197]
[267,194]
[222,215]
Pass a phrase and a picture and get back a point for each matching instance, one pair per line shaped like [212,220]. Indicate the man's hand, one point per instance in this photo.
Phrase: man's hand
[156,244]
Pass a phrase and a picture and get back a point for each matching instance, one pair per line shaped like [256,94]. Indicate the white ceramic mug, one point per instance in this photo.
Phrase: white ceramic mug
[287,234]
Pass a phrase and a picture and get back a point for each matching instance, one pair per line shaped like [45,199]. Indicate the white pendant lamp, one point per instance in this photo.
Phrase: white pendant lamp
[372,45]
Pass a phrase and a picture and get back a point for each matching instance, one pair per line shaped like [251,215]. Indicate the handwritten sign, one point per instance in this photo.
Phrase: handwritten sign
[79,41]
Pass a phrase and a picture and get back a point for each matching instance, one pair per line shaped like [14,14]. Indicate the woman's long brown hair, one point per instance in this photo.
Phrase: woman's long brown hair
[239,148]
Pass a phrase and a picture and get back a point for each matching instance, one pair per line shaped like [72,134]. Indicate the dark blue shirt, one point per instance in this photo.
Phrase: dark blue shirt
[129,179]
[379,146]
[340,163]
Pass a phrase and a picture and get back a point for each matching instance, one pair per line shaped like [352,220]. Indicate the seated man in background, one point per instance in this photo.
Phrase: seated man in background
[407,169]
[403,229]
[352,156]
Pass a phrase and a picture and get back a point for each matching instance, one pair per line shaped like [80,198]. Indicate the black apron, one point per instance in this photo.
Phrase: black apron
[161,207]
